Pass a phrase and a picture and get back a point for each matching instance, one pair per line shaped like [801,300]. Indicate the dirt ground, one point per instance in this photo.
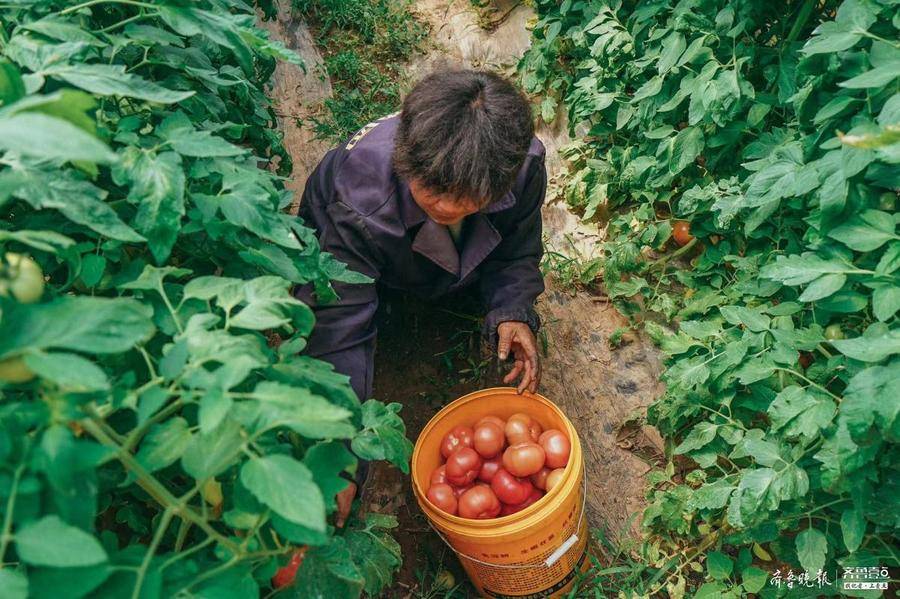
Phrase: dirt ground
[430,354]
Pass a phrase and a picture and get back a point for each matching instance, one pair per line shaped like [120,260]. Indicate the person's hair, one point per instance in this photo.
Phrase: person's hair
[464,133]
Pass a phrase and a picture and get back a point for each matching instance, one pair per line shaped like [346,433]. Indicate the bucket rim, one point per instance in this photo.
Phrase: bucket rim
[570,472]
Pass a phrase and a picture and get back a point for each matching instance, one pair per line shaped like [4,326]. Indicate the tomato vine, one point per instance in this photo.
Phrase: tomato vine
[772,128]
[155,441]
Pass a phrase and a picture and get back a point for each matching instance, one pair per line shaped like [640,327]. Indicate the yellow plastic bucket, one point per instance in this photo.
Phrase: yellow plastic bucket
[537,552]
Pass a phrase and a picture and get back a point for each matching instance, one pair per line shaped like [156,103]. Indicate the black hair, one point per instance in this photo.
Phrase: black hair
[465,133]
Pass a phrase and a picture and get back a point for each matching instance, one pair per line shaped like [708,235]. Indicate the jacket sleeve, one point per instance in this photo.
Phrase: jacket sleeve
[344,334]
[511,278]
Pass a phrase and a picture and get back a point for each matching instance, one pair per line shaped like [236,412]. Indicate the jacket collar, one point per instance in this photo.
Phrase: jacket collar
[433,240]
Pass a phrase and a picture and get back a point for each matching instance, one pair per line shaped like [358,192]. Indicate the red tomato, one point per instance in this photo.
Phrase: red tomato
[439,476]
[510,489]
[459,436]
[479,503]
[681,232]
[554,478]
[457,491]
[286,574]
[489,469]
[557,447]
[539,480]
[441,496]
[521,428]
[463,466]
[535,495]
[498,421]
[488,439]
[523,459]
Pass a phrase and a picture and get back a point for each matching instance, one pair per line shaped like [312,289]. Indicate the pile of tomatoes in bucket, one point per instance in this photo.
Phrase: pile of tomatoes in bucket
[497,467]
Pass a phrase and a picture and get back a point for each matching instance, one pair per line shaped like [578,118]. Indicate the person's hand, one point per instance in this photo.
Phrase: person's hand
[516,337]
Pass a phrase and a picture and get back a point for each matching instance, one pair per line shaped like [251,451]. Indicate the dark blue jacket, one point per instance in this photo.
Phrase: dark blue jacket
[365,215]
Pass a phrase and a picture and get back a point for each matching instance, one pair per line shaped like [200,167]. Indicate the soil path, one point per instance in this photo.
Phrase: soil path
[429,354]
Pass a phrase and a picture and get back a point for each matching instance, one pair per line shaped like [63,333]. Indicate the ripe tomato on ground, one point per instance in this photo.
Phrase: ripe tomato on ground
[681,232]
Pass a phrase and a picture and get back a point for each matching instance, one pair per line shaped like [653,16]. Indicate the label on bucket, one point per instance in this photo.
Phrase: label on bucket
[549,590]
[532,576]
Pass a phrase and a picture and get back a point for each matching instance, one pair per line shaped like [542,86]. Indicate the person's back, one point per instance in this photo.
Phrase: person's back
[445,195]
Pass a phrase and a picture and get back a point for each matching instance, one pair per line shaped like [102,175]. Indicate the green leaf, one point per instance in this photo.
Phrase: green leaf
[214,406]
[754,579]
[112,80]
[831,37]
[376,554]
[300,410]
[811,549]
[877,77]
[51,542]
[824,286]
[329,571]
[70,371]
[686,146]
[78,200]
[699,436]
[749,317]
[182,137]
[877,343]
[383,436]
[711,496]
[647,90]
[805,268]
[798,412]
[719,565]
[866,231]
[885,301]
[326,461]
[14,584]
[49,138]
[164,444]
[208,454]
[158,185]
[287,487]
[84,324]
[870,398]
[853,528]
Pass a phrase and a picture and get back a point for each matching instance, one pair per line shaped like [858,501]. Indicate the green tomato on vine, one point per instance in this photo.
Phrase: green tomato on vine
[21,278]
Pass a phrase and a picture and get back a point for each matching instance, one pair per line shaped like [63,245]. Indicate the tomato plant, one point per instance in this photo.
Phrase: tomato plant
[155,441]
[773,128]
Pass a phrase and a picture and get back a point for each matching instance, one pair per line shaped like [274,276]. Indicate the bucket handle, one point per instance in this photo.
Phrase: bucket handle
[551,559]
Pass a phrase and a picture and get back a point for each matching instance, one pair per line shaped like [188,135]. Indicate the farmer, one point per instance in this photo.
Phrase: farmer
[445,195]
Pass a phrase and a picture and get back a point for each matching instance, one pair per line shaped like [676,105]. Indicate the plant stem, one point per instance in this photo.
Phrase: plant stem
[156,490]
[5,536]
[802,17]
[78,7]
[151,551]
[668,257]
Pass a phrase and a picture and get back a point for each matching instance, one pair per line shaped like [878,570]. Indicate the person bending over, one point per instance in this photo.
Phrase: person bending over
[446,194]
